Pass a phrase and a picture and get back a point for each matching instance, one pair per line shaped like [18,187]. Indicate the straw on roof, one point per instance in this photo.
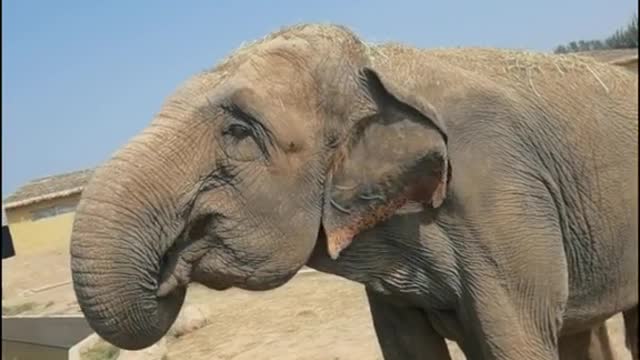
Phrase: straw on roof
[47,188]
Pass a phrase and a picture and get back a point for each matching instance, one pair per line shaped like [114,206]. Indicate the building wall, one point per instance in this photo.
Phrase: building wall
[42,226]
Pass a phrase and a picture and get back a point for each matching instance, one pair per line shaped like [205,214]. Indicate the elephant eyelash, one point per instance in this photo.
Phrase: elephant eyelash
[235,111]
[259,132]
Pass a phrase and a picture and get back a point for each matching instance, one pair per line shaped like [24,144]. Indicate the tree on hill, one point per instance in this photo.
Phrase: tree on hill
[623,38]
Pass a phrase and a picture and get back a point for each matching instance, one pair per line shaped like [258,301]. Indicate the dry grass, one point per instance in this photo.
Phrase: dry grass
[25,307]
[12,310]
[100,351]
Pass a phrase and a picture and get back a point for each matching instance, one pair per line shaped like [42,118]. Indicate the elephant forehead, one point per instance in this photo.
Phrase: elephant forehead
[283,96]
[280,89]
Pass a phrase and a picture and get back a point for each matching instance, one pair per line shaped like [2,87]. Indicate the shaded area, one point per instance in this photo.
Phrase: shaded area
[57,332]
[7,242]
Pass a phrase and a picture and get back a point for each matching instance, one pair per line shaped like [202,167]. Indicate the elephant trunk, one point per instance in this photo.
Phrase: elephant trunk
[120,237]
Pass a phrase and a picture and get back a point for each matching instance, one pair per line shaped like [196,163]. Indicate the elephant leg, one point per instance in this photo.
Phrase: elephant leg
[497,326]
[631,331]
[516,272]
[404,332]
[574,346]
[587,345]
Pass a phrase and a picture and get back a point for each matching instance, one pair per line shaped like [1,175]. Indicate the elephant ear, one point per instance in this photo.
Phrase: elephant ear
[396,158]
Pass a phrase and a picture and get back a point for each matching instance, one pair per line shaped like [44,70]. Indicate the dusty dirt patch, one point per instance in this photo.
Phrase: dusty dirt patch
[23,273]
[315,316]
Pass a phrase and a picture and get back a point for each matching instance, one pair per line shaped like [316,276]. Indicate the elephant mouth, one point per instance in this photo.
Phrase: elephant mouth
[222,282]
[177,271]
[209,268]
[213,284]
[192,258]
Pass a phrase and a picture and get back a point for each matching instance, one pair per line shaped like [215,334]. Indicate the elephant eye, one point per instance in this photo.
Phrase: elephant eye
[238,131]
[243,136]
[240,143]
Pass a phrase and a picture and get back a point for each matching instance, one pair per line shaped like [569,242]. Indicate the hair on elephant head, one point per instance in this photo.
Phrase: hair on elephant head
[242,169]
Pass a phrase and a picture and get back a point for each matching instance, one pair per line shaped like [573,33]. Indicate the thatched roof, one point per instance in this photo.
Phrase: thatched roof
[47,188]
[615,56]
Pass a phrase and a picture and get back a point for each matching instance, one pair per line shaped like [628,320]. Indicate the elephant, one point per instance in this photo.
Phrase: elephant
[487,196]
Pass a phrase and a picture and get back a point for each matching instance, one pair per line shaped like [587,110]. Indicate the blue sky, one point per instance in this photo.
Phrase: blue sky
[79,78]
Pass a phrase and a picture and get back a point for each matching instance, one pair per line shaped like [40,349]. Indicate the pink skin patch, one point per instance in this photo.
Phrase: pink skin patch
[339,239]
[431,190]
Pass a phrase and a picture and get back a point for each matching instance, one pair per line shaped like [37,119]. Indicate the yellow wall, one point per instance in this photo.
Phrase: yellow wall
[41,235]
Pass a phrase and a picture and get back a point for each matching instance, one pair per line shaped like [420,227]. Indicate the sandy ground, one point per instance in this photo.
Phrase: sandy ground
[315,316]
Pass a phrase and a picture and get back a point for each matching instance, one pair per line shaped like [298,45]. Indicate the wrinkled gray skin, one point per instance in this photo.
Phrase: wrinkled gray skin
[480,195]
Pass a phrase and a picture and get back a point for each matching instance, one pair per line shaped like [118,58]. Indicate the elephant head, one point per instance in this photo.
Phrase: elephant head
[296,137]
